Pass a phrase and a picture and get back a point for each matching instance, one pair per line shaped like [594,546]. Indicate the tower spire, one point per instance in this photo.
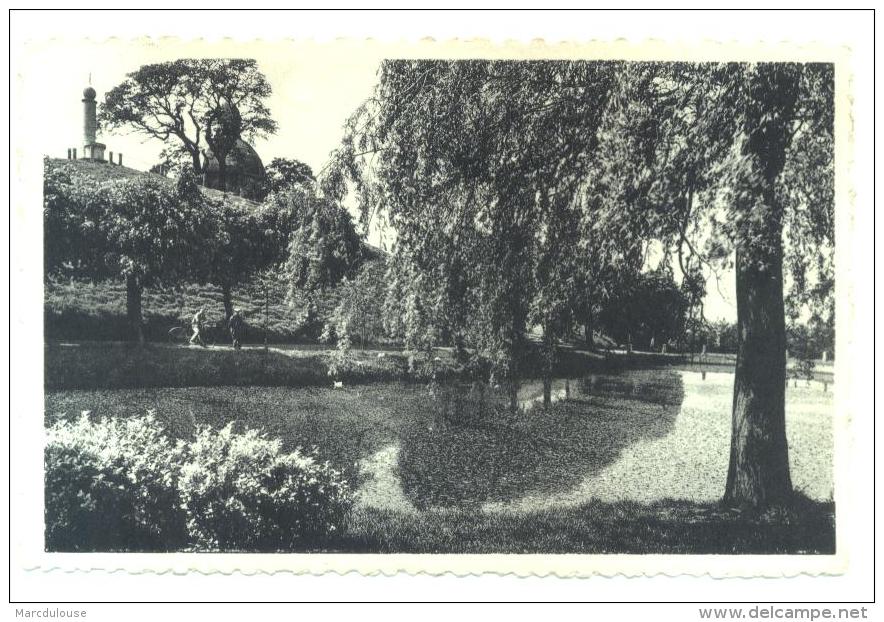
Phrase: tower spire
[91,148]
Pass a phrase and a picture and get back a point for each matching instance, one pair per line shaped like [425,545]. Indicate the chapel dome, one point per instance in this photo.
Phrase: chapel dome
[242,159]
[245,174]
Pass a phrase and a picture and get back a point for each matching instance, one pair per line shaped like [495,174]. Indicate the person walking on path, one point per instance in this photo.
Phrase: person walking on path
[235,324]
[197,325]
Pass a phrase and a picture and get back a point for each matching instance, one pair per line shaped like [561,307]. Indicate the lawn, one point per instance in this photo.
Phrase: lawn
[80,310]
[632,462]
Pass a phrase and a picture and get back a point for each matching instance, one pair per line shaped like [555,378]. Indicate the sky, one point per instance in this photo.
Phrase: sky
[316,86]
[313,94]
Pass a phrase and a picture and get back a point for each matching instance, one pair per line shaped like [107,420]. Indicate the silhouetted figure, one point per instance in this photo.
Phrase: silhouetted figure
[236,324]
[197,325]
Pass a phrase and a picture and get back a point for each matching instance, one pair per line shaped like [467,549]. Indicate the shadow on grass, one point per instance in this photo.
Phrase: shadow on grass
[469,450]
[673,527]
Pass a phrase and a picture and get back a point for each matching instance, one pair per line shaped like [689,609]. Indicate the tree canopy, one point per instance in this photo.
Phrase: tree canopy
[523,193]
[141,229]
[283,173]
[475,165]
[195,104]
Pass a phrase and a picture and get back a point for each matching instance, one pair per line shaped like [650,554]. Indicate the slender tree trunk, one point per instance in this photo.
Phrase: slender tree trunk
[222,172]
[460,351]
[587,327]
[514,367]
[548,360]
[227,298]
[758,473]
[133,309]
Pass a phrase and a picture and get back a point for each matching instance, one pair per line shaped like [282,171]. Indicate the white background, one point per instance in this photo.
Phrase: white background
[853,30]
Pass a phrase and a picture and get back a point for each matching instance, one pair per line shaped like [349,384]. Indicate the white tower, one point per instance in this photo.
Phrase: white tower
[92,150]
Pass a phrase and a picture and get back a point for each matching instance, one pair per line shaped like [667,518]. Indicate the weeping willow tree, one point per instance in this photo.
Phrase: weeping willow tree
[520,192]
[477,166]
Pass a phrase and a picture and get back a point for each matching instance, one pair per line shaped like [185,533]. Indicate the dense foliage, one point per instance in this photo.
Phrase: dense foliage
[112,486]
[156,234]
[122,484]
[476,166]
[140,229]
[647,311]
[283,173]
[192,105]
[240,491]
[514,188]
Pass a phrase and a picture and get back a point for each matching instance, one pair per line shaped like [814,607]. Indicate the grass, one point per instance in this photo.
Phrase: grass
[668,526]
[109,365]
[472,452]
[629,464]
[80,310]
[119,365]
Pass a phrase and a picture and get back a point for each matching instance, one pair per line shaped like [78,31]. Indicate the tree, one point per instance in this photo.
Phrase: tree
[648,309]
[359,312]
[320,246]
[475,165]
[714,148]
[283,173]
[242,244]
[775,105]
[140,229]
[70,233]
[324,248]
[200,103]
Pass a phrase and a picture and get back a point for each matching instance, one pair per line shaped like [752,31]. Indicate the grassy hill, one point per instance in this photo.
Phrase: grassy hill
[103,172]
[77,310]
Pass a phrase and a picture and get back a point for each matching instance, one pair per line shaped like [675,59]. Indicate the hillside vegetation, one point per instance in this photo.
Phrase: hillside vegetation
[80,309]
[102,172]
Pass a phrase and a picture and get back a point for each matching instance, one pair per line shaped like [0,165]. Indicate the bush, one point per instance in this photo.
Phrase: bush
[124,485]
[110,485]
[240,492]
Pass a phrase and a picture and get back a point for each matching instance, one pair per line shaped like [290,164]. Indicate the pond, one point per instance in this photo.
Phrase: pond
[637,435]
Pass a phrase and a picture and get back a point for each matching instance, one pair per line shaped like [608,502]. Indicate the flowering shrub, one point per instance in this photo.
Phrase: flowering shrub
[111,485]
[241,492]
[124,485]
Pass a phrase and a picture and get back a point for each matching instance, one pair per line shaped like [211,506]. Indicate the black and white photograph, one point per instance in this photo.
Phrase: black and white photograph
[342,298]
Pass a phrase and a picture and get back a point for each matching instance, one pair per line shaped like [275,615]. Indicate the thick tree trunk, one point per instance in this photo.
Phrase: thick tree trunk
[227,299]
[133,309]
[758,474]
[197,163]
